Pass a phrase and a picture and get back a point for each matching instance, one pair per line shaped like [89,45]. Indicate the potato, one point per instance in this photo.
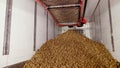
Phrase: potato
[72,50]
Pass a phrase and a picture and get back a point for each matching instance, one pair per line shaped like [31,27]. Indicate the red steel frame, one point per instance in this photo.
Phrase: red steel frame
[81,20]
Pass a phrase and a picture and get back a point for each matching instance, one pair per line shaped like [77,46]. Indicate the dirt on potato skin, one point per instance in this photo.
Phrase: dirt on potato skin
[72,50]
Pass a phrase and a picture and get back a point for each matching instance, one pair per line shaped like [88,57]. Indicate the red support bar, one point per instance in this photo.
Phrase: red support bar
[41,3]
[81,3]
[83,20]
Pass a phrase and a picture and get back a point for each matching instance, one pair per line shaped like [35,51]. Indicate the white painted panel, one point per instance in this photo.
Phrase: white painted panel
[41,26]
[51,28]
[3,59]
[104,6]
[57,30]
[105,26]
[106,35]
[22,31]
[90,7]
[2,23]
[101,25]
[22,28]
[87,30]
[115,9]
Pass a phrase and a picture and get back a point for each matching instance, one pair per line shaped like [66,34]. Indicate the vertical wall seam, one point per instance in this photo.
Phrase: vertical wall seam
[111,27]
[54,29]
[47,26]
[7,30]
[94,28]
[100,24]
[35,26]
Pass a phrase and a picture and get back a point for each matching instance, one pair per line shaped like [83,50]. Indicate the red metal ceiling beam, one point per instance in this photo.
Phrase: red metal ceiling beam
[56,21]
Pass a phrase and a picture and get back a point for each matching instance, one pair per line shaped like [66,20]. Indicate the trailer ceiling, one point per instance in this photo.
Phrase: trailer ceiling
[68,11]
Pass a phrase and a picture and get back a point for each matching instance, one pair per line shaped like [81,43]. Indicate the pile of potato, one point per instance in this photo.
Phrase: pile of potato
[72,50]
